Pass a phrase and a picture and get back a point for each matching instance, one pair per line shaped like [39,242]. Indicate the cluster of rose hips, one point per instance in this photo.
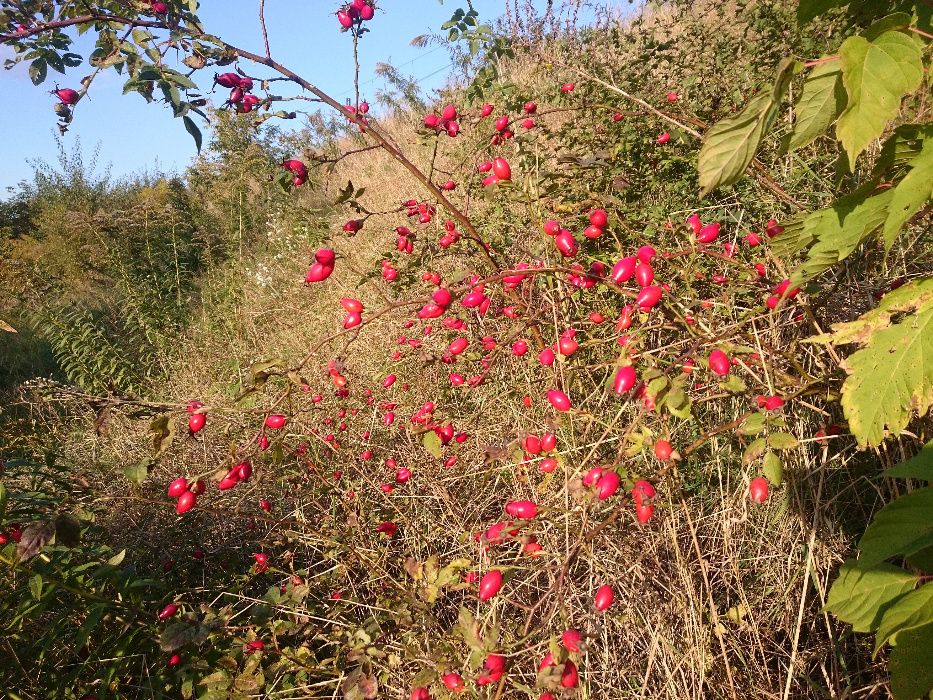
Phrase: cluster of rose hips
[447,122]
[322,267]
[240,96]
[298,169]
[355,13]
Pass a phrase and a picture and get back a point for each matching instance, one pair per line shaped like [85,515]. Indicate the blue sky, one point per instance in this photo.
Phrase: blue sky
[134,136]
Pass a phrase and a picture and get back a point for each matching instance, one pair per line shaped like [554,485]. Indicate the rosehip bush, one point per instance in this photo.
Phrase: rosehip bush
[552,352]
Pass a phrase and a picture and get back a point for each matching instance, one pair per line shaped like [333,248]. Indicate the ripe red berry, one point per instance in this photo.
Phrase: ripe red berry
[501,169]
[758,490]
[490,584]
[196,422]
[276,421]
[604,597]
[719,362]
[185,503]
[524,510]
[559,400]
[168,611]
[599,218]
[177,487]
[662,449]
[571,640]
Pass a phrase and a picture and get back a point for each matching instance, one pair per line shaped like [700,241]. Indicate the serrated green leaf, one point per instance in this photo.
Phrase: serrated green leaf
[877,74]
[861,593]
[755,449]
[782,441]
[911,664]
[753,425]
[914,609]
[773,469]
[432,443]
[821,101]
[137,473]
[890,380]
[910,194]
[902,527]
[920,466]
[838,231]
[730,144]
[734,384]
[35,586]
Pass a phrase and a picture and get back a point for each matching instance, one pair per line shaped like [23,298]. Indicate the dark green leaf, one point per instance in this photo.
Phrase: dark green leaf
[902,527]
[911,664]
[193,129]
[920,466]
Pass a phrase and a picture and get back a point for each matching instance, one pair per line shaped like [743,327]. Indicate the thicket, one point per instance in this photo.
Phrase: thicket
[693,444]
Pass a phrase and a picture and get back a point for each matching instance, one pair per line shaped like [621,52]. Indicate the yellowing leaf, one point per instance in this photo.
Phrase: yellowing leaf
[890,380]
[860,594]
[877,74]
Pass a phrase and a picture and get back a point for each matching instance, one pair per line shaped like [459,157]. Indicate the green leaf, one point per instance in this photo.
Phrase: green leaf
[877,75]
[753,425]
[193,129]
[773,469]
[137,473]
[432,443]
[838,231]
[734,384]
[911,664]
[910,194]
[911,610]
[38,69]
[35,586]
[821,101]
[808,9]
[94,616]
[730,144]
[782,441]
[3,500]
[920,466]
[117,558]
[861,593]
[902,527]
